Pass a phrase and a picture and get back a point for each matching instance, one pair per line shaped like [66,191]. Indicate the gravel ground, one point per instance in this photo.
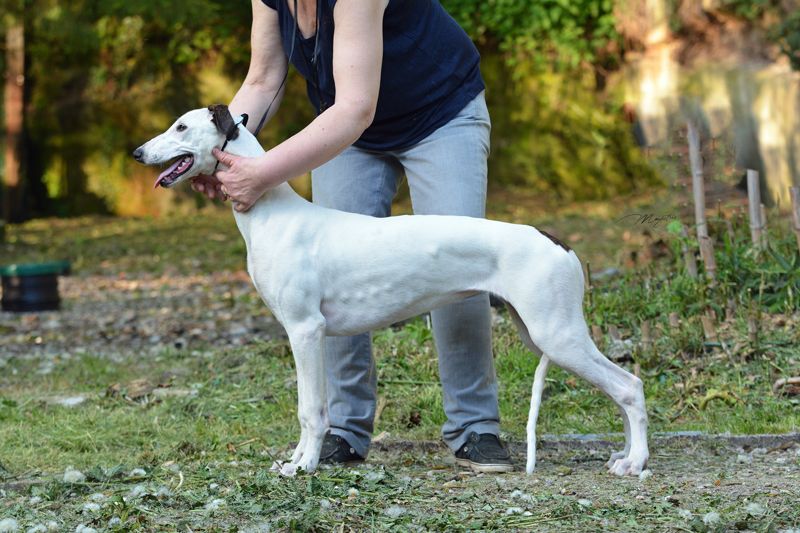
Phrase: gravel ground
[116,315]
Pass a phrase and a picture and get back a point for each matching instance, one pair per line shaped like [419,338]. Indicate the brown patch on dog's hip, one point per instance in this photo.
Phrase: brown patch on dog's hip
[555,240]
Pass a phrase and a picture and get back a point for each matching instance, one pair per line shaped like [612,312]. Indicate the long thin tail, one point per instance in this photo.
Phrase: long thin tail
[533,415]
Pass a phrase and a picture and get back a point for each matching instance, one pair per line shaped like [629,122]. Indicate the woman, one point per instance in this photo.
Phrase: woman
[397,89]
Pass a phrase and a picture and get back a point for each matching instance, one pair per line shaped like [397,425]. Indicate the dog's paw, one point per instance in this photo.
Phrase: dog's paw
[289,469]
[627,467]
[614,457]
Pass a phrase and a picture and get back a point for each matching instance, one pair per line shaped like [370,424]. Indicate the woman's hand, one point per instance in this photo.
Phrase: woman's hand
[208,185]
[244,179]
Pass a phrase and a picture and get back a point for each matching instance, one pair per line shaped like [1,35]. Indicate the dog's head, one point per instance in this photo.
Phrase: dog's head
[186,146]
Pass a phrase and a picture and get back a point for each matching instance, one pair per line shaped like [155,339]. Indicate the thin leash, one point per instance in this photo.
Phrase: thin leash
[232,133]
[289,62]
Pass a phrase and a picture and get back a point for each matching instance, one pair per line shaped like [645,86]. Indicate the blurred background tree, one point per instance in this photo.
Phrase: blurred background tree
[102,76]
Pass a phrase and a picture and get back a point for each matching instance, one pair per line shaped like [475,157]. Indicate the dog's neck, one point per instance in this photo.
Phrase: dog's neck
[274,201]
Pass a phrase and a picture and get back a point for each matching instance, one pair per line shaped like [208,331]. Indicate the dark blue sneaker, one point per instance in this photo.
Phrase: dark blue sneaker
[336,450]
[484,453]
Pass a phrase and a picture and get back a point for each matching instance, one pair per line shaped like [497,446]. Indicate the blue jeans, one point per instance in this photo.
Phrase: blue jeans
[446,176]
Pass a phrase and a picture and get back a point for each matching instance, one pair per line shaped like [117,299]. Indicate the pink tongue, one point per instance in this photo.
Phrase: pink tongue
[167,172]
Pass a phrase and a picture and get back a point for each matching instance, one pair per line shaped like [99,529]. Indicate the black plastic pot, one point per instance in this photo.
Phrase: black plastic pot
[32,287]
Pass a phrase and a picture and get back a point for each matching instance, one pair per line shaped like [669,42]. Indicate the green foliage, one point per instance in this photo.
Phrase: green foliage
[787,34]
[553,131]
[93,69]
[748,9]
[756,282]
[563,32]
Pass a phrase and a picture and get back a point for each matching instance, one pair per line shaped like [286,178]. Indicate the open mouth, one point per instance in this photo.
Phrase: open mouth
[177,169]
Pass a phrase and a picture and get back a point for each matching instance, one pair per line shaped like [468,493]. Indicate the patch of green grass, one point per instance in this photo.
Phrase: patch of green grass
[235,394]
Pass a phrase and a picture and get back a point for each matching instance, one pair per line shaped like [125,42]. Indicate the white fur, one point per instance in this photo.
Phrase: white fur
[326,272]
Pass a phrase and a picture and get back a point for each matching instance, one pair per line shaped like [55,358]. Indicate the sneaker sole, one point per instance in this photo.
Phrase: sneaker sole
[485,468]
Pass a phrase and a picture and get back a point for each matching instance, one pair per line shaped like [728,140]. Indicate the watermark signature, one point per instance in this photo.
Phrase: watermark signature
[648,219]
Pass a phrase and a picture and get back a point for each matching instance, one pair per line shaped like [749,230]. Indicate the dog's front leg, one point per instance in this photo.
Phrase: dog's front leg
[307,339]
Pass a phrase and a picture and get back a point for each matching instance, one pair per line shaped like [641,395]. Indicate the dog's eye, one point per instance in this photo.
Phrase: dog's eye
[181,127]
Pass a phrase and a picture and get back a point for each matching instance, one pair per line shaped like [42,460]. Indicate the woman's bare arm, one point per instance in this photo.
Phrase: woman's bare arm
[261,85]
[267,68]
[357,58]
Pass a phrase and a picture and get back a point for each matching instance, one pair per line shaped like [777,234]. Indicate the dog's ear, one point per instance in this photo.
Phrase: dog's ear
[223,120]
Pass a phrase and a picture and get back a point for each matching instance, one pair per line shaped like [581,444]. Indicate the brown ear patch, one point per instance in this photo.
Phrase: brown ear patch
[555,240]
[223,120]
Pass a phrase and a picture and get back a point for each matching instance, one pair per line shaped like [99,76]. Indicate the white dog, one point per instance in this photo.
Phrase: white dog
[326,272]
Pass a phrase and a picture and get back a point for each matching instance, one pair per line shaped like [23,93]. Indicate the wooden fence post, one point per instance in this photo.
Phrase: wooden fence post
[688,254]
[589,285]
[754,206]
[647,339]
[698,189]
[707,252]
[794,193]
[597,336]
[753,323]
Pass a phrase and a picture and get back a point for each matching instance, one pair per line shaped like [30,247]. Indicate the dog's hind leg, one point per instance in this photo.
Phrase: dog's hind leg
[561,333]
[575,351]
[623,453]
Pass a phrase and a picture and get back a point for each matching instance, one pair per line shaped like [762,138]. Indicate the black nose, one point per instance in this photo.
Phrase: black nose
[138,154]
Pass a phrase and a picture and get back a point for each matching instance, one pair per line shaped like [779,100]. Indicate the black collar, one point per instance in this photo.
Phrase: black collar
[231,134]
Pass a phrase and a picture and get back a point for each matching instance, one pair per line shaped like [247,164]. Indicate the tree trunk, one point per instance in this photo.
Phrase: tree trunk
[13,197]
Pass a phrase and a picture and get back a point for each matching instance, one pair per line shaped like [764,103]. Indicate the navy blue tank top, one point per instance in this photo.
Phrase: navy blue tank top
[430,69]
